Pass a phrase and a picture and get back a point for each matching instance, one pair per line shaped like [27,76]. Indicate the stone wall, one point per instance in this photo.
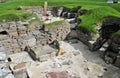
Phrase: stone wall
[58,32]
[14,37]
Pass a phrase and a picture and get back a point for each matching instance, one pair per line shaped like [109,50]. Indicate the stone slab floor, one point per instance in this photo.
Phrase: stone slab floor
[77,61]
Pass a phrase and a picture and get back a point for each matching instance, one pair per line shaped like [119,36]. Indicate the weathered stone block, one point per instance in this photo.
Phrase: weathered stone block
[16,68]
[41,53]
[19,57]
[13,33]
[19,66]
[31,41]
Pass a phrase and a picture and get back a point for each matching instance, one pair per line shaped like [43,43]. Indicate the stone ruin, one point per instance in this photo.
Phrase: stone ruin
[19,45]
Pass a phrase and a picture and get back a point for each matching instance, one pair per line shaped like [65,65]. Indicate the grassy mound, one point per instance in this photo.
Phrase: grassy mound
[56,23]
[15,17]
[96,15]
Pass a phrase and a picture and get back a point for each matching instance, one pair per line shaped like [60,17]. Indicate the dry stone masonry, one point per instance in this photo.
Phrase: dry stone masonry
[15,38]
[29,50]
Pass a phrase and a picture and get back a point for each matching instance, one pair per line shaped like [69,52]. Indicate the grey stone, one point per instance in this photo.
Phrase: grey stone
[2,56]
[31,41]
[67,62]
[10,76]
[24,23]
[20,57]
[35,32]
[77,52]
[21,75]
[5,26]
[2,48]
[41,53]
[54,64]
[3,71]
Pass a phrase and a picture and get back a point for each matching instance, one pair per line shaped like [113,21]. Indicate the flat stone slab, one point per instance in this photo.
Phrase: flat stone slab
[19,57]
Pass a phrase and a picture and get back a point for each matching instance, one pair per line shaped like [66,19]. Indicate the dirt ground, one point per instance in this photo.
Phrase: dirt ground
[96,57]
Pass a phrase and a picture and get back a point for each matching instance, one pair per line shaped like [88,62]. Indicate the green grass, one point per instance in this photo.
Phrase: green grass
[97,10]
[96,15]
[116,34]
[9,7]
[56,23]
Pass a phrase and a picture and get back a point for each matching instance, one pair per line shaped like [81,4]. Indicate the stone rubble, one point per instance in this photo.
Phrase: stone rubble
[75,65]
[21,44]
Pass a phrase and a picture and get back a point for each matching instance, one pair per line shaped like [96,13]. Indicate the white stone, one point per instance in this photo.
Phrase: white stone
[2,56]
[20,57]
[31,41]
[102,49]
[91,42]
[105,45]
[10,76]
[3,72]
[69,20]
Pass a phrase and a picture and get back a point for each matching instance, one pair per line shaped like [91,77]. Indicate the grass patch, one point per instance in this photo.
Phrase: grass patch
[15,17]
[9,17]
[96,15]
[97,10]
[56,23]
[116,34]
[26,16]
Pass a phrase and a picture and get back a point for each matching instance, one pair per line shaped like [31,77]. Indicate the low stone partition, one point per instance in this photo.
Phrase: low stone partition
[58,32]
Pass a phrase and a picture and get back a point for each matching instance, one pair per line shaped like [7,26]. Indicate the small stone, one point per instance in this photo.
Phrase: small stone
[19,8]
[3,72]
[56,65]
[69,62]
[10,76]
[91,42]
[102,49]
[2,56]
[76,53]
